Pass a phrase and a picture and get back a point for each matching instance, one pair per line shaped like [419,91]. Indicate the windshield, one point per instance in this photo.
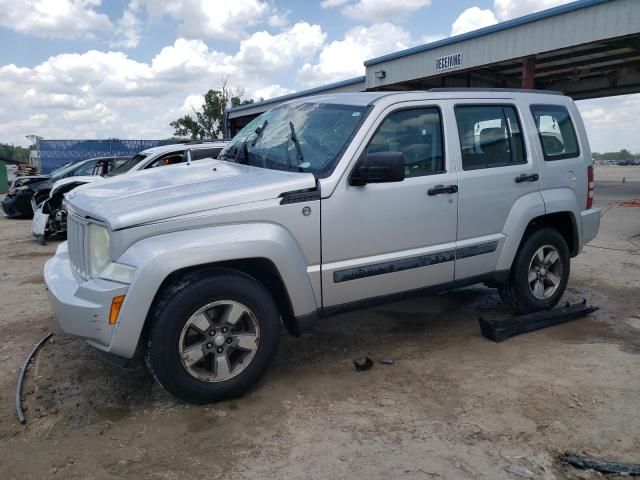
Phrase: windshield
[64,170]
[128,165]
[60,168]
[308,137]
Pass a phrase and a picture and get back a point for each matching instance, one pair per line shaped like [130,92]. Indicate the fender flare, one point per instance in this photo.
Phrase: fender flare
[159,256]
[525,209]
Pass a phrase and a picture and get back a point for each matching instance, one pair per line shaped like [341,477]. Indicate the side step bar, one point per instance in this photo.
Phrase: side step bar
[499,330]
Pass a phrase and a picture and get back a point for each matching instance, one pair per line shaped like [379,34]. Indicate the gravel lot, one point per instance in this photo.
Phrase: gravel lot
[453,406]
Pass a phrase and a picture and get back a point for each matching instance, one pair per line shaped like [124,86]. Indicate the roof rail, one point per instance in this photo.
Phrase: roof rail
[512,90]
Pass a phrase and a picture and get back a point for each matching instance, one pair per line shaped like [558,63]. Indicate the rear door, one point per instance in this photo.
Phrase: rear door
[498,171]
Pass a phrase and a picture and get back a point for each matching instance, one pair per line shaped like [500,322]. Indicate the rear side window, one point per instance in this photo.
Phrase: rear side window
[490,136]
[556,132]
[201,153]
[417,133]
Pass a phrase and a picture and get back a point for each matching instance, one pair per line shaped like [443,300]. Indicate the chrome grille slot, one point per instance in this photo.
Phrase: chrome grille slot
[76,232]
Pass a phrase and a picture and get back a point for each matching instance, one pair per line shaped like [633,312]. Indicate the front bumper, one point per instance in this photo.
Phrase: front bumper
[17,206]
[590,224]
[81,306]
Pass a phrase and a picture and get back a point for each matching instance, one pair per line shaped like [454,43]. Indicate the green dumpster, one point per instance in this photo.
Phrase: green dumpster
[4,181]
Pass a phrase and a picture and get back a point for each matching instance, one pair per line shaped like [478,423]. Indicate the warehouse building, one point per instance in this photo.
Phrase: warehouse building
[586,49]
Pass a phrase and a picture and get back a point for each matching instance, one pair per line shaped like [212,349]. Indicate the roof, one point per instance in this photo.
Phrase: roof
[184,146]
[369,98]
[353,98]
[303,93]
[534,17]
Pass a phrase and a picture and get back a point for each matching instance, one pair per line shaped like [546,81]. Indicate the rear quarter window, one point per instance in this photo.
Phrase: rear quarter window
[556,132]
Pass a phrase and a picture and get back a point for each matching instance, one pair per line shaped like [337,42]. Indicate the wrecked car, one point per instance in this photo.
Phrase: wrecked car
[19,202]
[50,218]
[321,205]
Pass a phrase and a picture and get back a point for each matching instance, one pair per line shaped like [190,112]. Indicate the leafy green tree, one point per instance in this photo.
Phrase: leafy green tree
[10,152]
[207,122]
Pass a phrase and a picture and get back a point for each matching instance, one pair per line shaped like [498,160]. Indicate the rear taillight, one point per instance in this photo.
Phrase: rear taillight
[591,186]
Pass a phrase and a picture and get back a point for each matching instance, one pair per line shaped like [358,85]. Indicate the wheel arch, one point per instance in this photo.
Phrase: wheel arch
[276,261]
[564,222]
[260,269]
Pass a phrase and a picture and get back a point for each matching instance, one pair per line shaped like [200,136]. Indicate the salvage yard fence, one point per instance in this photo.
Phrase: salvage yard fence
[54,153]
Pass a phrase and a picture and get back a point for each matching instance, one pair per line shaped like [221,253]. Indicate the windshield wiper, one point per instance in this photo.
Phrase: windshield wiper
[241,148]
[259,132]
[296,142]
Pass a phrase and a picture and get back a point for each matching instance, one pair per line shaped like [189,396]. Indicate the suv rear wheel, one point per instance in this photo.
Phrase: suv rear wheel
[213,336]
[539,273]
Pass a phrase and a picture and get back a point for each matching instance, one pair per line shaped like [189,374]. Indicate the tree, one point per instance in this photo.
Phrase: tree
[10,152]
[207,122]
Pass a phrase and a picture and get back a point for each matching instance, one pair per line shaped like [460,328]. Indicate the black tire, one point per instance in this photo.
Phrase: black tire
[180,301]
[516,293]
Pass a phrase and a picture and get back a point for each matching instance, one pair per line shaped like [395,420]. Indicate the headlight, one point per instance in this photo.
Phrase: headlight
[98,249]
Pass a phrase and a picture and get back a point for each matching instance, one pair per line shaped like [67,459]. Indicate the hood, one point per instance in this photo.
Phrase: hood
[80,180]
[160,193]
[28,180]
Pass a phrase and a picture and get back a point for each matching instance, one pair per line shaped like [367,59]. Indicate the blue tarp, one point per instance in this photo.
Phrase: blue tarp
[54,153]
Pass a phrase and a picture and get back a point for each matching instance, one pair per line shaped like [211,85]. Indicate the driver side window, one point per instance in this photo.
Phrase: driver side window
[86,169]
[417,133]
[167,159]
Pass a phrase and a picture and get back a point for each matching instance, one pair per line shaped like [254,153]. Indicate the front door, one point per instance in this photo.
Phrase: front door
[384,238]
[499,176]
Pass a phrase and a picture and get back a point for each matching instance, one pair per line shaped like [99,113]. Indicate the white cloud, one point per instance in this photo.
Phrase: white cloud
[272,91]
[472,19]
[379,11]
[611,123]
[279,19]
[228,19]
[54,18]
[342,59]
[128,30]
[109,94]
[507,9]
[263,52]
[332,3]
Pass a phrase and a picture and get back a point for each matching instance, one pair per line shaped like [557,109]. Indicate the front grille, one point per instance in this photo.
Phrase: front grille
[76,237]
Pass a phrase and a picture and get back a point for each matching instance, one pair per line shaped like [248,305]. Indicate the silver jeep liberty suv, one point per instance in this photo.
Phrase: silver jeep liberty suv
[319,205]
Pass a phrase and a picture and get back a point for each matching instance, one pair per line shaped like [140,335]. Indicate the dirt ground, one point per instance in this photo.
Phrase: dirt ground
[453,406]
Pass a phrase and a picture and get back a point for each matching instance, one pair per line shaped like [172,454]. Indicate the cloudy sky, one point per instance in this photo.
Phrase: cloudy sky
[126,68]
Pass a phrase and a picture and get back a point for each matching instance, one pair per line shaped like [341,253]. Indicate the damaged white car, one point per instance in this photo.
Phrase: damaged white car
[50,217]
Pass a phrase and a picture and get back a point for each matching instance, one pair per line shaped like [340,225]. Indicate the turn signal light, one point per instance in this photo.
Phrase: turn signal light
[116,304]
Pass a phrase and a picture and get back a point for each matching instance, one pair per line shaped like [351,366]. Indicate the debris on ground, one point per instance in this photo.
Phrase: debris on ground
[367,364]
[520,471]
[499,330]
[635,202]
[387,361]
[586,463]
[23,371]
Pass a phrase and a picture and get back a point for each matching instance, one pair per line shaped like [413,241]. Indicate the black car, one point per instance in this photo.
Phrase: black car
[17,203]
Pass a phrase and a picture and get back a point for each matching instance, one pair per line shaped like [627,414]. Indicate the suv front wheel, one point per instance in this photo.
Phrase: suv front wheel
[539,274]
[213,336]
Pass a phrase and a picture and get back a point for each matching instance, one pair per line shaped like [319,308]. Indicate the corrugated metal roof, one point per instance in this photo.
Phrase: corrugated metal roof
[534,17]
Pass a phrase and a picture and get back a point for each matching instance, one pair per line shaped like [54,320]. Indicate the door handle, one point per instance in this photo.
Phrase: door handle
[438,189]
[527,178]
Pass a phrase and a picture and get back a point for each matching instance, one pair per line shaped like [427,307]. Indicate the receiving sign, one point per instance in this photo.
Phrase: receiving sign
[449,62]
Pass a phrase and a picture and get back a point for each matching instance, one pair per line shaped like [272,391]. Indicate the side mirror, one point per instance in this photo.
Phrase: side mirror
[381,167]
